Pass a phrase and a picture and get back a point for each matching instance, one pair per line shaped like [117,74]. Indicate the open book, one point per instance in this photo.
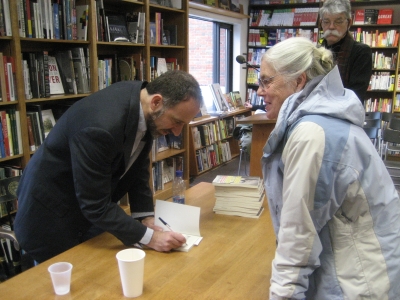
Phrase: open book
[181,218]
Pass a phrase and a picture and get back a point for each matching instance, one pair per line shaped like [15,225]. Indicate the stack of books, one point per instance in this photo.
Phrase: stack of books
[239,196]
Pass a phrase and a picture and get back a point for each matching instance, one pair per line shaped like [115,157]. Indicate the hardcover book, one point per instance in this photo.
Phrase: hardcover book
[67,72]
[117,28]
[359,17]
[56,86]
[385,16]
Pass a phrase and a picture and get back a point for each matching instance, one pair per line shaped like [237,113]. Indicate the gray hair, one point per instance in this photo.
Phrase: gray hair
[336,7]
[296,55]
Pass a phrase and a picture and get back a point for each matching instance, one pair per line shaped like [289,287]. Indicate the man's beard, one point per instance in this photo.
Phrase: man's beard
[151,125]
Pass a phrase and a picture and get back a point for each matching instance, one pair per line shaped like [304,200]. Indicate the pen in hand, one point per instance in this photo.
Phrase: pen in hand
[169,227]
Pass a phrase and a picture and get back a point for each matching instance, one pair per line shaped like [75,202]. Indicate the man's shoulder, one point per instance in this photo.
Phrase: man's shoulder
[361,47]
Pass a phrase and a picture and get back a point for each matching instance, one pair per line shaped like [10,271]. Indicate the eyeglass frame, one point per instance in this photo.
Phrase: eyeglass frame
[265,86]
[335,22]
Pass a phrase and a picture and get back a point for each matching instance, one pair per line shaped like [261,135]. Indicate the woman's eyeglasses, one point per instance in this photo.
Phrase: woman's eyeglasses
[265,83]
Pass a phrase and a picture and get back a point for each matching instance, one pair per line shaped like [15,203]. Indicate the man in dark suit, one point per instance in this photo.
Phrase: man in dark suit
[96,153]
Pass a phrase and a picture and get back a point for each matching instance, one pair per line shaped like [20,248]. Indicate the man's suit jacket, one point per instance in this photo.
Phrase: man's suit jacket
[74,178]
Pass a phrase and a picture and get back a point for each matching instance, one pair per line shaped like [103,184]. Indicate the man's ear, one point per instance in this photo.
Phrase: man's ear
[156,102]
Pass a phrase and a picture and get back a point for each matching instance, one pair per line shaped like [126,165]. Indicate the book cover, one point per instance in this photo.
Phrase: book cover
[359,16]
[252,182]
[385,16]
[371,16]
[223,104]
[132,25]
[31,139]
[67,72]
[141,28]
[4,128]
[48,120]
[82,17]
[237,98]
[117,28]
[56,86]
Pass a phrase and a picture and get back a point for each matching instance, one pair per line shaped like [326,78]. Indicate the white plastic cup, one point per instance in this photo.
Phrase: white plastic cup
[131,270]
[61,277]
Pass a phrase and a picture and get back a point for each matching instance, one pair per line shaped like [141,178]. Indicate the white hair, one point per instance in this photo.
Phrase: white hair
[335,7]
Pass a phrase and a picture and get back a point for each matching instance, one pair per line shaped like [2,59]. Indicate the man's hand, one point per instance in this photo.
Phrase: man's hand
[166,240]
[149,222]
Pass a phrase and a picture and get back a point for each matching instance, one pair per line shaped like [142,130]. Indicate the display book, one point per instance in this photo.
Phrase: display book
[239,195]
[221,102]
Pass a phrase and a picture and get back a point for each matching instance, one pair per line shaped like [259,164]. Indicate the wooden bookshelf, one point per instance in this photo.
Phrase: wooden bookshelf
[198,165]
[16,46]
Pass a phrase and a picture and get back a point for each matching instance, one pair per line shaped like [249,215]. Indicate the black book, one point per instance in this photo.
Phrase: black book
[67,72]
[33,74]
[370,16]
[117,28]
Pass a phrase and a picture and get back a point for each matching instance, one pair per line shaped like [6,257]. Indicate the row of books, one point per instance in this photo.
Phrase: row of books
[381,61]
[63,72]
[254,56]
[253,98]
[8,84]
[375,38]
[5,18]
[303,16]
[39,121]
[213,155]
[10,133]
[113,26]
[373,16]
[263,37]
[221,102]
[210,133]
[262,2]
[160,65]
[61,20]
[239,196]
[163,34]
[382,81]
[164,171]
[381,104]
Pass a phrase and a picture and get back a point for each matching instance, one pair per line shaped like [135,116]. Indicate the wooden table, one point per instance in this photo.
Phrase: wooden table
[262,127]
[233,261]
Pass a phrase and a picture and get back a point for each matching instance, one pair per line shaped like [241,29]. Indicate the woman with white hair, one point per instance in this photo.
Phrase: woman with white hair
[335,210]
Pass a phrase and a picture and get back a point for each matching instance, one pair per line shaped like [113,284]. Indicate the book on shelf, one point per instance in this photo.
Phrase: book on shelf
[6,18]
[82,17]
[132,25]
[56,86]
[37,121]
[153,29]
[371,16]
[235,95]
[161,66]
[239,195]
[27,80]
[117,28]
[220,98]
[3,93]
[359,17]
[48,120]
[6,133]
[141,27]
[385,16]
[42,61]
[67,71]
[80,69]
